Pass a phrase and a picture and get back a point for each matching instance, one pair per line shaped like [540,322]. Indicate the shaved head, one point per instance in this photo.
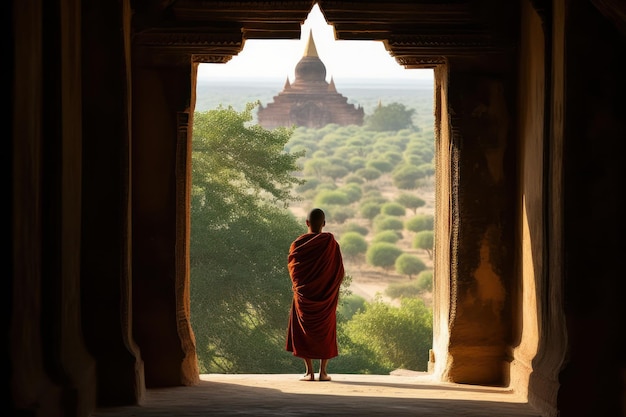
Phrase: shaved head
[316,219]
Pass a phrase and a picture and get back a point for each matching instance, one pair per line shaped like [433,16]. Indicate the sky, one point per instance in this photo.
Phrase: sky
[344,60]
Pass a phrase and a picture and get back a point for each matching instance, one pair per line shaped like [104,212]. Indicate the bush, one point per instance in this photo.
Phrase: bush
[382,254]
[389,236]
[424,240]
[393,209]
[399,337]
[424,280]
[331,197]
[420,222]
[383,222]
[352,245]
[355,227]
[410,265]
[403,289]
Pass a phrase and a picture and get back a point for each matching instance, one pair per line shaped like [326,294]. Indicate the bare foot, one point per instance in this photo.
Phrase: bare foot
[324,377]
[308,377]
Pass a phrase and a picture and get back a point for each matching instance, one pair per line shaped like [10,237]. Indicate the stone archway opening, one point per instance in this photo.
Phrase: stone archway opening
[201,104]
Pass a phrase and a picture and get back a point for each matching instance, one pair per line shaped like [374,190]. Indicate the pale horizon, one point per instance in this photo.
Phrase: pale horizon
[345,61]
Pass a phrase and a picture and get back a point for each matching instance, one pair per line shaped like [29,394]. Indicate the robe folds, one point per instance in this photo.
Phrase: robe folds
[316,270]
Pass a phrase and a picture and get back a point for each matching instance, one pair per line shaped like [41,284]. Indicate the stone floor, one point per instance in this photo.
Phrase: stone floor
[398,394]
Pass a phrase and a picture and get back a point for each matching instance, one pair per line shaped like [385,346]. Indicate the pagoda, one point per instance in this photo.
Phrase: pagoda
[310,101]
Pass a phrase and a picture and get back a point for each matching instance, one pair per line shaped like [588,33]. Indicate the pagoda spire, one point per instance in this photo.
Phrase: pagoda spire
[331,85]
[310,49]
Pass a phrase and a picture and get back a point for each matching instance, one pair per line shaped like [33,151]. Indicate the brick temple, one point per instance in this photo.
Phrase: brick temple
[310,101]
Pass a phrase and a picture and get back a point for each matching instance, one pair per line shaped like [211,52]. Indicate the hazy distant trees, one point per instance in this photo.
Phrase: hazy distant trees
[392,117]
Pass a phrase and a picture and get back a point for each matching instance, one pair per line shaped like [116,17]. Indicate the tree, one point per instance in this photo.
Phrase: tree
[400,337]
[425,240]
[370,210]
[410,265]
[352,245]
[385,222]
[405,177]
[393,209]
[410,201]
[392,117]
[240,286]
[424,280]
[369,174]
[390,236]
[382,254]
[420,222]
[332,197]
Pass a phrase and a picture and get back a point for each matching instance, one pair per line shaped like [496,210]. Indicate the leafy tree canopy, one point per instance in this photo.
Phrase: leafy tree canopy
[240,288]
[392,117]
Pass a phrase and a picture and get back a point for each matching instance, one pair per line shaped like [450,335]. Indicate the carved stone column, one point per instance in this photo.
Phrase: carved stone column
[483,183]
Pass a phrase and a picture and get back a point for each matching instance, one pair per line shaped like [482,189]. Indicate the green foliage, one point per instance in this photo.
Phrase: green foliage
[340,214]
[384,222]
[245,279]
[410,265]
[369,174]
[398,337]
[381,165]
[407,289]
[424,280]
[355,227]
[370,210]
[405,177]
[352,191]
[240,289]
[335,172]
[392,117]
[349,306]
[420,222]
[425,240]
[393,209]
[352,245]
[353,179]
[389,236]
[331,197]
[410,201]
[316,167]
[382,254]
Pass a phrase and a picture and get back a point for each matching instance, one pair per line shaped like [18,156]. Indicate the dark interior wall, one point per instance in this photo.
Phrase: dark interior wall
[594,165]
[160,94]
[106,193]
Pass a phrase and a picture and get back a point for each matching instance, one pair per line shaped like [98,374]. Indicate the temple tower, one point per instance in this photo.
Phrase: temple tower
[309,101]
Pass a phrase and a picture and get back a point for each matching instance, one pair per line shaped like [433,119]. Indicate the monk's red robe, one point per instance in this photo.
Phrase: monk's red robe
[316,270]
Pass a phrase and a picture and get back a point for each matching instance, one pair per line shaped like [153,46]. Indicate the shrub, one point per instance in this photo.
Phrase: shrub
[384,222]
[331,197]
[393,209]
[382,254]
[424,280]
[420,222]
[410,265]
[352,245]
[355,227]
[389,236]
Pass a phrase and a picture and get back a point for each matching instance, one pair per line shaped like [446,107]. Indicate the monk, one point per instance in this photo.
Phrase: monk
[316,271]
